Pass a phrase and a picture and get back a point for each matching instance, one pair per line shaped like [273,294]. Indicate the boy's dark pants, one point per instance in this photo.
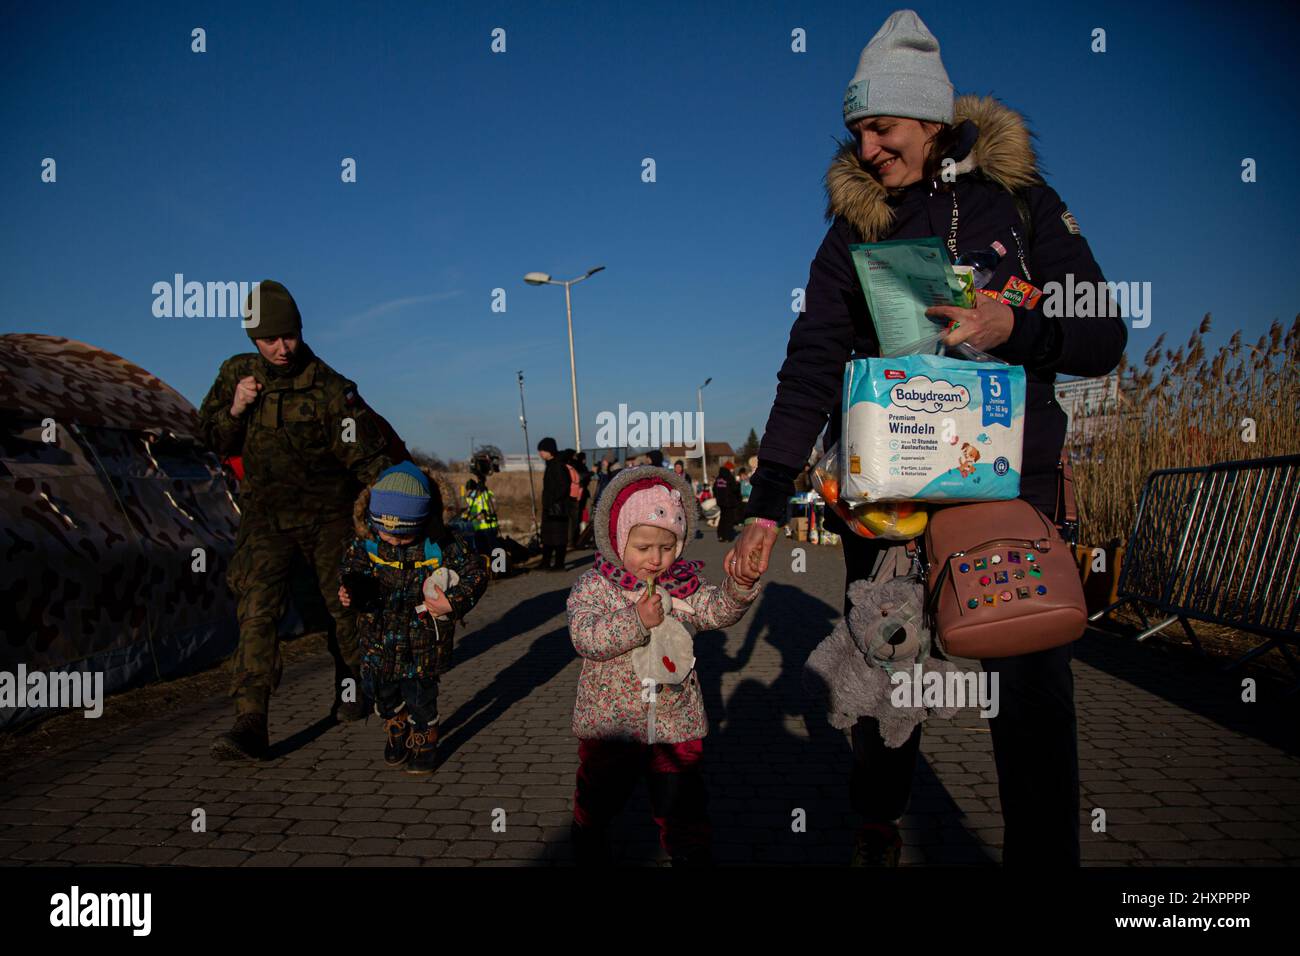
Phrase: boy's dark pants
[1035,749]
[607,774]
[419,693]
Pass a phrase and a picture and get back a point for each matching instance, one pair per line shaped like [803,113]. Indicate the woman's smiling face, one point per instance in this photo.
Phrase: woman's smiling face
[894,147]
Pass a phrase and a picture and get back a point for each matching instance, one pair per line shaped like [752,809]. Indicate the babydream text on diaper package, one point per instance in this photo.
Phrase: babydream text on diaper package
[930,428]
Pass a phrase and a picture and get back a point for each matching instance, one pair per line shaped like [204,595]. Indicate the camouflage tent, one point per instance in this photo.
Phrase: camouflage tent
[118,524]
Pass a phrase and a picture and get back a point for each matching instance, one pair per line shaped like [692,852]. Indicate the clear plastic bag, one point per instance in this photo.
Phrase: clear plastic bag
[933,345]
[888,520]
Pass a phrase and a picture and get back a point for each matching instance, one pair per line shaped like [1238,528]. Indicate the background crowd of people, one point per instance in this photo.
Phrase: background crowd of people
[571,490]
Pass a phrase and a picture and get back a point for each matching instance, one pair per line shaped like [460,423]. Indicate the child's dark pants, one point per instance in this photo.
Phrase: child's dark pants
[608,772]
[419,694]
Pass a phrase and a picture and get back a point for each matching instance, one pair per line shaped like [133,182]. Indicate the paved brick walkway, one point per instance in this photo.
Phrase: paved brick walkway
[1185,771]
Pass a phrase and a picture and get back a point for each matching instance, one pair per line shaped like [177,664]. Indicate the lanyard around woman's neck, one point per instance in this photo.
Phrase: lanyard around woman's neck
[952,229]
[952,232]
[952,237]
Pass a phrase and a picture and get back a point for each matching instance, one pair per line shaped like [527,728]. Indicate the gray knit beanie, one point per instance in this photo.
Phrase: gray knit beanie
[900,74]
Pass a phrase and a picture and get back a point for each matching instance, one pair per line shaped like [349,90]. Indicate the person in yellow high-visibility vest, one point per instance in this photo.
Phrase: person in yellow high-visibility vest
[481,510]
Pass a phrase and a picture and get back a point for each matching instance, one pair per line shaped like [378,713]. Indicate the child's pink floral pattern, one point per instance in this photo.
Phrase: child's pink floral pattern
[605,629]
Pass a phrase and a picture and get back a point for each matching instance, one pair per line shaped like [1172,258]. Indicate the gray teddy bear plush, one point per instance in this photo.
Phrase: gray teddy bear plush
[851,670]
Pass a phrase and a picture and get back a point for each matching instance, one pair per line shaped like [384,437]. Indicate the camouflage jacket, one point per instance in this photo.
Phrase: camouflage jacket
[386,589]
[309,443]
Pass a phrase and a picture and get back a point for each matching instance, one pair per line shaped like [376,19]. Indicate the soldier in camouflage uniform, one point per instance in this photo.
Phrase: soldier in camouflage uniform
[309,444]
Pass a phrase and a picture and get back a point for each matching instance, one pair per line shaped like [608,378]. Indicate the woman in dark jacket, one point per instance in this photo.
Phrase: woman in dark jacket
[555,506]
[921,164]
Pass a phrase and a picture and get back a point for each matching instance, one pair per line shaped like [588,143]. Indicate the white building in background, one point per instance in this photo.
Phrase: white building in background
[520,462]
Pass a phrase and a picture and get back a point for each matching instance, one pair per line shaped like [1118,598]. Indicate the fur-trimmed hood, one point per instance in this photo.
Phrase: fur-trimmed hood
[1003,152]
[625,477]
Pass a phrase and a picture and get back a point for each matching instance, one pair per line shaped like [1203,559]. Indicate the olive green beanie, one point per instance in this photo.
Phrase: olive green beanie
[277,314]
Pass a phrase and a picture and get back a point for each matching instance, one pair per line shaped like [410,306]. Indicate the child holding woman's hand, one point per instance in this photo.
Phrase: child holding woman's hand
[639,710]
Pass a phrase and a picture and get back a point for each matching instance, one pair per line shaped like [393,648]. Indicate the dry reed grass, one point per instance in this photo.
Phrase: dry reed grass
[1185,408]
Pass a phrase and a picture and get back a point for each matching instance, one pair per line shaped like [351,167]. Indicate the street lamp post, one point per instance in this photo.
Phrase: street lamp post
[542,278]
[528,452]
[704,449]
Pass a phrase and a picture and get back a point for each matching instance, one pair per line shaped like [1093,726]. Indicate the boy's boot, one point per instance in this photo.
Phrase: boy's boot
[423,745]
[877,844]
[247,740]
[397,749]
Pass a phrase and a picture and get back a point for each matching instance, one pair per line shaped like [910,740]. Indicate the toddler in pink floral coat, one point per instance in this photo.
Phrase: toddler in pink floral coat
[639,711]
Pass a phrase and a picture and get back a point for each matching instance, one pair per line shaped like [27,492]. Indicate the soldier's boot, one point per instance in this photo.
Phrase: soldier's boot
[247,740]
[423,744]
[356,710]
[397,750]
[350,710]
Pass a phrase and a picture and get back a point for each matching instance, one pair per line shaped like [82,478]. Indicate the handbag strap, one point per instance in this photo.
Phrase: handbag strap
[1065,505]
[1066,515]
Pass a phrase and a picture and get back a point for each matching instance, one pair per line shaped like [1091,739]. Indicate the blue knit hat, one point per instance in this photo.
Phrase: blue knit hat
[400,500]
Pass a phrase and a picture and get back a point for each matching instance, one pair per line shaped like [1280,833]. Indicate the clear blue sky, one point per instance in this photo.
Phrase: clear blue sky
[474,168]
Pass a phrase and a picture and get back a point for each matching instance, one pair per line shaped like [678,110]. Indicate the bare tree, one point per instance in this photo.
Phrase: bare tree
[426,460]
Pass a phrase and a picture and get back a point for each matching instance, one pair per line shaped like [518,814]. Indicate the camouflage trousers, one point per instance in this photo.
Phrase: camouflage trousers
[259,577]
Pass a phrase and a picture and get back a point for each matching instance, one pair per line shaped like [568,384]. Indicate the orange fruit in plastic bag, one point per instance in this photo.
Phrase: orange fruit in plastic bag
[830,490]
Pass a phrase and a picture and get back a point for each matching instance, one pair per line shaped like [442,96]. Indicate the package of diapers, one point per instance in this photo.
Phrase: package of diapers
[930,428]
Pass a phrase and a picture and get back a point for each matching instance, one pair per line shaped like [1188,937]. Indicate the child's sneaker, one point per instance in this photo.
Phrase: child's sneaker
[423,745]
[877,844]
[397,749]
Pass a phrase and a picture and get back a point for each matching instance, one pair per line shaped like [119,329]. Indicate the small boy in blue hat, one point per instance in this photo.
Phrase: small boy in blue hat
[410,578]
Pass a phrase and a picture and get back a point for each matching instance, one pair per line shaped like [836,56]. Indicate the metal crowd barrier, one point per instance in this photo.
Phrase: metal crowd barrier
[1219,544]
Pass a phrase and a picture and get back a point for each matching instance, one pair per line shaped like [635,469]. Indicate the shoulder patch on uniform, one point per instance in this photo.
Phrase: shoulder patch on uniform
[1071,224]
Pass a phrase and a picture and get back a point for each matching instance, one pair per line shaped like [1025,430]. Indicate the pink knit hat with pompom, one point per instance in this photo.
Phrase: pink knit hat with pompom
[648,502]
